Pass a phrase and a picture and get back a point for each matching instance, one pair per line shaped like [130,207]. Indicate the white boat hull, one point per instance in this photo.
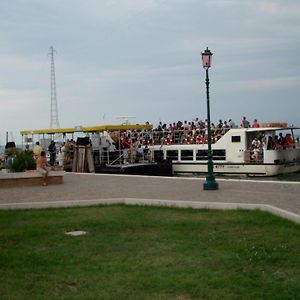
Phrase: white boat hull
[232,154]
[237,169]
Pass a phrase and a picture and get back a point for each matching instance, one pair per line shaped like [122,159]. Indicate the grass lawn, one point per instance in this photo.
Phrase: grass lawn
[134,252]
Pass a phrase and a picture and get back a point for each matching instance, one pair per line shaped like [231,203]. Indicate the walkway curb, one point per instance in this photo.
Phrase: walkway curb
[154,202]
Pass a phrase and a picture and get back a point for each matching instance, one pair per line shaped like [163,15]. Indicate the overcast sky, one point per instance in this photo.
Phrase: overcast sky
[142,58]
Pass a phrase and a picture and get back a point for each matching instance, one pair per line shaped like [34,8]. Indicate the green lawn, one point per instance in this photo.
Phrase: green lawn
[133,252]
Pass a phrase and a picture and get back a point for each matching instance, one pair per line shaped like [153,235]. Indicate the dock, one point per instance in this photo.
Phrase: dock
[280,198]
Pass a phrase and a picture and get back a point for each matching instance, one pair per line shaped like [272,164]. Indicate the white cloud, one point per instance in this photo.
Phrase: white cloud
[265,84]
[133,56]
[223,3]
[21,100]
[22,72]
[20,62]
[277,8]
[288,9]
[113,11]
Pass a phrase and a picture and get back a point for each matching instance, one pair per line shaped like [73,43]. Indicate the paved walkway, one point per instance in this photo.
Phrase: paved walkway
[83,189]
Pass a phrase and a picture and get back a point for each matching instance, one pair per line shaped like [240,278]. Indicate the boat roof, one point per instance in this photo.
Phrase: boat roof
[271,128]
[88,129]
[102,128]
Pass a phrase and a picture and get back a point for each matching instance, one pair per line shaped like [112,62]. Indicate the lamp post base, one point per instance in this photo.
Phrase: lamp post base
[210,184]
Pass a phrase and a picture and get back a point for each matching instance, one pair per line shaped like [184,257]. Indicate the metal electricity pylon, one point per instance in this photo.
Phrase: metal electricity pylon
[54,123]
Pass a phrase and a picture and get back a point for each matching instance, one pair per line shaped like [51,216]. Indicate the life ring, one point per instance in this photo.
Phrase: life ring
[188,140]
[168,141]
[200,139]
[150,142]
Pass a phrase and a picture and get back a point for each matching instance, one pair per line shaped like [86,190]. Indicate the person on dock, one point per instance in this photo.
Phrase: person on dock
[37,149]
[52,151]
[61,156]
[43,167]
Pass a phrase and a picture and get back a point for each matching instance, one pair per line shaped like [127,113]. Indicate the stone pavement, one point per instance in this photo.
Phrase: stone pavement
[87,189]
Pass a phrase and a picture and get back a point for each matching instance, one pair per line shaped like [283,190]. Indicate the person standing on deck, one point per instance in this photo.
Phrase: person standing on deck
[126,147]
[245,123]
[256,147]
[231,123]
[255,124]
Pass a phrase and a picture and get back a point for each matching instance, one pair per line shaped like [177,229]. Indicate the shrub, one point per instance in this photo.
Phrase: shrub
[23,160]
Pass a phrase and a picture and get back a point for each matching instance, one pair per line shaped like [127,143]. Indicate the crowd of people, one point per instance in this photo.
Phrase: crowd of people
[191,132]
[275,142]
[43,165]
[196,132]
[60,154]
[186,132]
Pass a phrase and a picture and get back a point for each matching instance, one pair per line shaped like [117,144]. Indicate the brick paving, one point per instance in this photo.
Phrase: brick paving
[283,195]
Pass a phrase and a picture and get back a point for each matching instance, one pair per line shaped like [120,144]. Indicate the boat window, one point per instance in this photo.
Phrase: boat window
[201,155]
[186,154]
[158,155]
[219,154]
[236,139]
[172,154]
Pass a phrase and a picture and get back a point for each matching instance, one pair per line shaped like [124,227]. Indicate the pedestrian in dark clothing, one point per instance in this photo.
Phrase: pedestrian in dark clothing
[52,151]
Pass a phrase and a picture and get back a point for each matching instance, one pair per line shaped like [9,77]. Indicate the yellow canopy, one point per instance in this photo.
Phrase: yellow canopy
[88,129]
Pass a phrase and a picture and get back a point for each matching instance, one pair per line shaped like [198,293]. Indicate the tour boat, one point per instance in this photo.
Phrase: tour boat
[232,153]
[183,150]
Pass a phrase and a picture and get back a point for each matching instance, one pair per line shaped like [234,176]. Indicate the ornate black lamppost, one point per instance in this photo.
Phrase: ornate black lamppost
[210,183]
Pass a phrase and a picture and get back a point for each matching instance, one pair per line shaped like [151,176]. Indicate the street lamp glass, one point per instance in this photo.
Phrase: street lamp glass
[206,58]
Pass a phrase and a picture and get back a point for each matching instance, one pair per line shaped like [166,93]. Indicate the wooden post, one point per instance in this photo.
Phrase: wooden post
[89,159]
[74,163]
[80,159]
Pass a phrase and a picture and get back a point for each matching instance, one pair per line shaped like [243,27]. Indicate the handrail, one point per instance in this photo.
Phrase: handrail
[118,158]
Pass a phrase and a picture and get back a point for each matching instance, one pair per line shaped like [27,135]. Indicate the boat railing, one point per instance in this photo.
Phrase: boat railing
[118,159]
[174,137]
[297,143]
[251,156]
[127,156]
